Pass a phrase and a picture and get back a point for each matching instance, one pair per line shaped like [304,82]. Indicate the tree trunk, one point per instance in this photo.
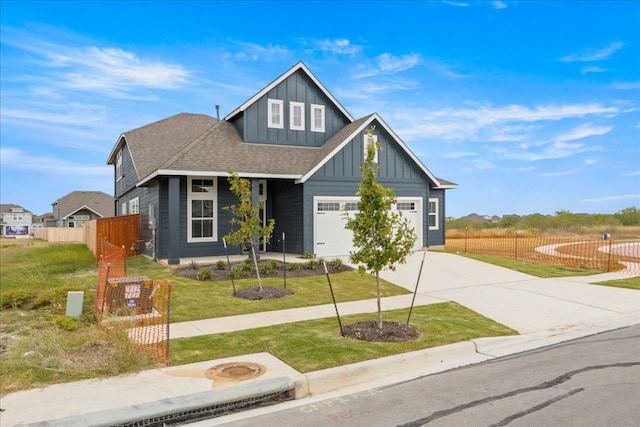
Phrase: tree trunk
[379,305]
[255,263]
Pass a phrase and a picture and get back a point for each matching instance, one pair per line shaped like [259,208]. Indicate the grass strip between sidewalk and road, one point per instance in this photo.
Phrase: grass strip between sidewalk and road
[317,344]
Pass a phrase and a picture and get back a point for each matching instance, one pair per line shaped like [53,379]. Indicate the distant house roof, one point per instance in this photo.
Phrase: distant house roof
[98,202]
[10,208]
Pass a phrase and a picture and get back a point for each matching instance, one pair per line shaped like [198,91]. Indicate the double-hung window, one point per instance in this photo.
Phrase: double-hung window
[119,165]
[275,113]
[202,204]
[296,115]
[317,118]
[433,214]
[134,206]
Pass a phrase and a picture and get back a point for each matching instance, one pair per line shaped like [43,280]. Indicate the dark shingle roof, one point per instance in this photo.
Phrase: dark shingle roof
[152,145]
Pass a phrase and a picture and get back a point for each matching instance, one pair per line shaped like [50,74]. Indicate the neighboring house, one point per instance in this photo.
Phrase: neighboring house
[16,221]
[303,153]
[78,207]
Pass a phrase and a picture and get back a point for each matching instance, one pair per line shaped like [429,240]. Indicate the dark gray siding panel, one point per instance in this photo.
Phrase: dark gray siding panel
[129,178]
[285,201]
[297,88]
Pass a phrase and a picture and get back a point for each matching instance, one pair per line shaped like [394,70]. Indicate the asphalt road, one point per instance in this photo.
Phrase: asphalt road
[592,381]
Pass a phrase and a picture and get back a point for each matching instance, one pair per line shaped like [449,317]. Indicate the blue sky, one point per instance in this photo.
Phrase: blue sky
[531,107]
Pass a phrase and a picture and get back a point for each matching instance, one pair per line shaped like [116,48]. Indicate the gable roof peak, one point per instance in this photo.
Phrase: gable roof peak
[300,66]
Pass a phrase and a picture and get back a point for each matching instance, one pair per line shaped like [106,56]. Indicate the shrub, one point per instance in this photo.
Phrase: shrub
[293,266]
[194,265]
[308,255]
[67,323]
[312,264]
[337,263]
[238,273]
[220,265]
[205,274]
[247,265]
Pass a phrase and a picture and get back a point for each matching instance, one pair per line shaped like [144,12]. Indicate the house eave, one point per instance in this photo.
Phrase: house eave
[171,172]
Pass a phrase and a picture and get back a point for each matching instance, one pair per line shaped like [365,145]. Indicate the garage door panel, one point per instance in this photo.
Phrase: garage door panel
[331,238]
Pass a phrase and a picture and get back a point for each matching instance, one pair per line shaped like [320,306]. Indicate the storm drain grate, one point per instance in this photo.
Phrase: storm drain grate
[211,411]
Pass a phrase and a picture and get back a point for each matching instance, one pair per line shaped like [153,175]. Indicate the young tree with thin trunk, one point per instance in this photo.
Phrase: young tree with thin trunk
[246,216]
[382,238]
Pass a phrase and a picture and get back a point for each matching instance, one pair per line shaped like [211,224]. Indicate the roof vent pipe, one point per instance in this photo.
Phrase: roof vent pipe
[217,111]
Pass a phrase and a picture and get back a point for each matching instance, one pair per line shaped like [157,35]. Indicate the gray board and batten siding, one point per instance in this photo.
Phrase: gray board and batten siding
[252,123]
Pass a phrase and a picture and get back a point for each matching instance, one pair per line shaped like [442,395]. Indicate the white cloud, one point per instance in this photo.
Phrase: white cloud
[338,46]
[592,69]
[634,173]
[554,174]
[256,52]
[14,158]
[394,64]
[613,198]
[590,54]
[583,131]
[626,85]
[459,154]
[499,4]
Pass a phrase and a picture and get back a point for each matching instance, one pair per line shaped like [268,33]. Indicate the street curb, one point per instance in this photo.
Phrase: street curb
[176,405]
[423,361]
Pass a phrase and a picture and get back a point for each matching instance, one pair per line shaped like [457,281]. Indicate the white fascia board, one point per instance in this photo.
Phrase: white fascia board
[298,66]
[171,172]
[114,150]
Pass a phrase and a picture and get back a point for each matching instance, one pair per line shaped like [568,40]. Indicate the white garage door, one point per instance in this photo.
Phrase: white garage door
[330,236]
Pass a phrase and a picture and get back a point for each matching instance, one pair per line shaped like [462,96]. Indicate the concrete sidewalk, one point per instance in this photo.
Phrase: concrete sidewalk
[544,311]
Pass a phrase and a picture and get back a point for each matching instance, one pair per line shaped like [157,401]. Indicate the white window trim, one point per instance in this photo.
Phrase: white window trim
[365,143]
[436,214]
[134,206]
[314,108]
[292,107]
[202,196]
[119,165]
[270,117]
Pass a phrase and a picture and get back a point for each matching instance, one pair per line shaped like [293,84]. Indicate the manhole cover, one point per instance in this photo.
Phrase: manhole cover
[235,371]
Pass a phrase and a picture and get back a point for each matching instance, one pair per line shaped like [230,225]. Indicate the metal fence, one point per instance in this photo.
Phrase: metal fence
[602,253]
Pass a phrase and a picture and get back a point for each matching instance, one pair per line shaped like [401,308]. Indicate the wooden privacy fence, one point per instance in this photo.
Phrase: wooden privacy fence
[60,234]
[602,254]
[121,231]
[139,303]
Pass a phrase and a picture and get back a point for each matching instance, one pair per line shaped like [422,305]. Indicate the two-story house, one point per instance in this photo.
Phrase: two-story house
[302,151]
[16,221]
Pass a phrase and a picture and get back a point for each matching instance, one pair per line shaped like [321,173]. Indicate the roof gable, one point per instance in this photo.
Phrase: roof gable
[96,201]
[298,67]
[350,132]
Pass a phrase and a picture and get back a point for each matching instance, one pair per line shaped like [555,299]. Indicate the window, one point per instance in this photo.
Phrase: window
[351,206]
[317,118]
[123,208]
[296,115]
[202,204]
[325,206]
[134,206]
[119,165]
[274,113]
[433,214]
[366,144]
[406,206]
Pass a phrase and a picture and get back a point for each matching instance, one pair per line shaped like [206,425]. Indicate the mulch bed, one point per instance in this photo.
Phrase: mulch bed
[390,331]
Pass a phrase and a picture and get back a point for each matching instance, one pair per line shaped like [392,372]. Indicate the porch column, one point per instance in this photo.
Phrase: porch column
[174,220]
